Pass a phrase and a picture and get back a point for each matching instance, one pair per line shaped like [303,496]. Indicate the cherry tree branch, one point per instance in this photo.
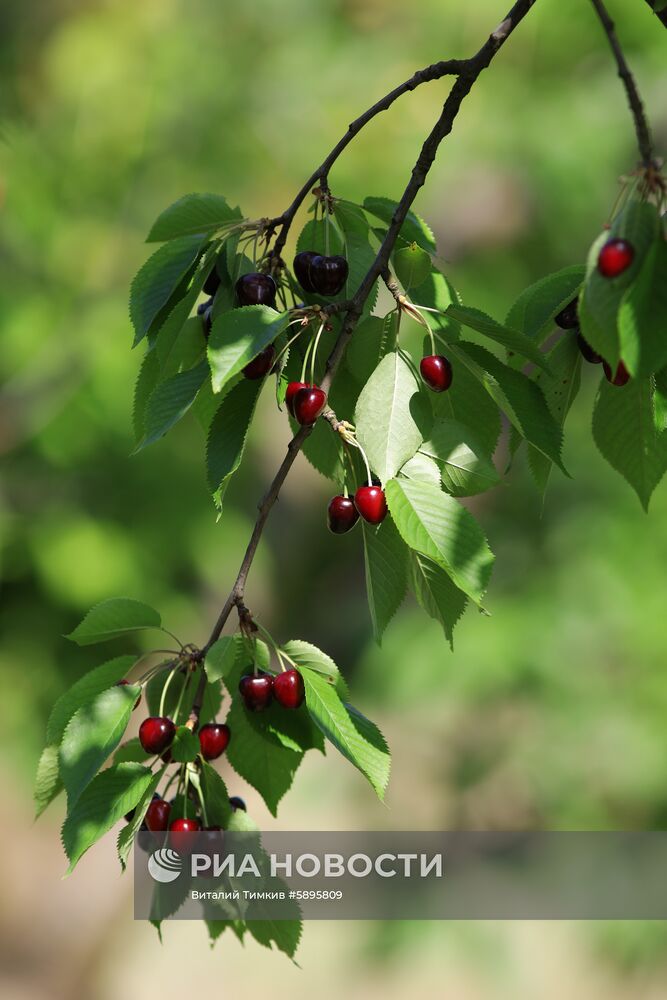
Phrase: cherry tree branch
[634,100]
[467,72]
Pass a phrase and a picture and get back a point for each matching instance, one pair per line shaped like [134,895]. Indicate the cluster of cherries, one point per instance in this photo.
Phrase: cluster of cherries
[259,689]
[157,820]
[254,289]
[614,258]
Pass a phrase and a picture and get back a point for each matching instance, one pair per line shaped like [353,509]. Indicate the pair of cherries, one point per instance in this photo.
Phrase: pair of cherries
[305,402]
[156,734]
[343,512]
[568,319]
[259,690]
[320,274]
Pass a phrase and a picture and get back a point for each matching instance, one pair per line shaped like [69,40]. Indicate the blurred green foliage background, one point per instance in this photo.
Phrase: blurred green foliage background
[551,713]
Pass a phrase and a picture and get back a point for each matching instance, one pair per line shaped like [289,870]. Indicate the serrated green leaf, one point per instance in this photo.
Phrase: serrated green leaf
[466,468]
[48,782]
[412,265]
[170,401]
[285,934]
[475,319]
[534,311]
[437,292]
[131,751]
[91,736]
[438,526]
[157,279]
[437,594]
[386,562]
[147,379]
[222,657]
[110,795]
[392,416]
[259,758]
[83,691]
[216,796]
[194,213]
[358,251]
[372,339]
[305,654]
[239,336]
[413,230]
[560,389]
[642,317]
[185,746]
[228,433]
[113,618]
[184,350]
[313,237]
[519,398]
[423,469]
[624,429]
[358,739]
[131,829]
[468,402]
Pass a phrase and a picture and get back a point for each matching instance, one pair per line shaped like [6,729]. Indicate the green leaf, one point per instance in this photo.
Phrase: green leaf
[305,654]
[358,251]
[170,401]
[222,657]
[113,618]
[624,429]
[519,398]
[438,526]
[147,379]
[84,691]
[240,335]
[228,433]
[534,311]
[182,349]
[386,561]
[131,829]
[48,782]
[194,213]
[131,751]
[358,739]
[423,469]
[372,339]
[285,934]
[157,279]
[515,342]
[259,758]
[313,237]
[412,265]
[468,402]
[392,416]
[642,317]
[91,736]
[413,230]
[437,594]
[216,796]
[185,747]
[466,468]
[437,292]
[639,223]
[560,389]
[110,795]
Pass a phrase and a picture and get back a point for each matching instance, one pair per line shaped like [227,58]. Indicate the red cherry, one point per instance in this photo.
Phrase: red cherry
[328,274]
[156,734]
[587,351]
[288,688]
[256,691]
[182,834]
[291,392]
[213,740]
[342,515]
[371,503]
[620,377]
[615,257]
[212,283]
[256,290]
[261,365]
[157,815]
[302,263]
[567,318]
[436,371]
[308,404]
[122,684]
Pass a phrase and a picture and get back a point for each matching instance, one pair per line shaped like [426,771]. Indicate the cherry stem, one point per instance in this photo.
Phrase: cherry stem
[200,796]
[313,356]
[305,359]
[163,695]
[172,636]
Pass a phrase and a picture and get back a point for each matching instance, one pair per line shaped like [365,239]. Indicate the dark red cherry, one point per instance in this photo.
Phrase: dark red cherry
[236,802]
[341,514]
[256,290]
[182,834]
[567,318]
[256,691]
[203,306]
[207,319]
[213,740]
[436,371]
[288,689]
[261,365]
[308,404]
[156,733]
[122,684]
[302,263]
[620,377]
[212,283]
[157,815]
[328,274]
[615,257]
[587,351]
[371,503]
[291,392]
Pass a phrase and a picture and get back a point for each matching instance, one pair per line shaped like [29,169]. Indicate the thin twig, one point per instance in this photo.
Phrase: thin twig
[634,100]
